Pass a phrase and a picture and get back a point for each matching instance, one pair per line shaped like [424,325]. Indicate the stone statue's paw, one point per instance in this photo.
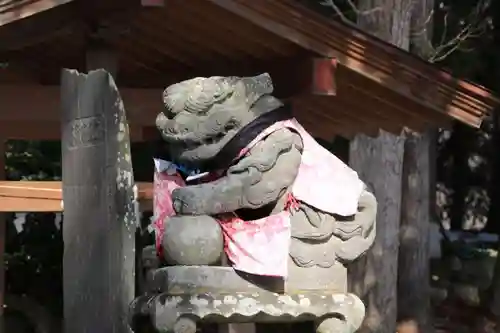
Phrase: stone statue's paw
[354,248]
[363,223]
[349,321]
[331,325]
[192,240]
[185,325]
[182,200]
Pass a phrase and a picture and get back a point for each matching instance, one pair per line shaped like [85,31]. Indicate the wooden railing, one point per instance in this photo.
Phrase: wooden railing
[36,196]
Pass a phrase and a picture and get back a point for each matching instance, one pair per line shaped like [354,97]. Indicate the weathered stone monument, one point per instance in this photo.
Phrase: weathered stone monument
[254,220]
[100,204]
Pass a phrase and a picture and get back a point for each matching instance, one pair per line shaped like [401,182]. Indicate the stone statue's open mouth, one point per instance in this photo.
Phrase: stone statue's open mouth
[213,139]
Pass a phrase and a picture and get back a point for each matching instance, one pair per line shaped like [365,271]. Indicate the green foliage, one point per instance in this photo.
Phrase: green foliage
[33,160]
[33,256]
[469,150]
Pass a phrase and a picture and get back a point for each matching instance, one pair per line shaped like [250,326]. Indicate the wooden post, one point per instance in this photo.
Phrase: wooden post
[417,204]
[379,161]
[374,276]
[3,232]
[413,261]
[100,216]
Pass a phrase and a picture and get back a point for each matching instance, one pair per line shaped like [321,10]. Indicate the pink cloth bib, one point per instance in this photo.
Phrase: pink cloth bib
[261,247]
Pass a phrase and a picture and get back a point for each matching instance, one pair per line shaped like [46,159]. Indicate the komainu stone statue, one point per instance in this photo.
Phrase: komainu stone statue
[255,220]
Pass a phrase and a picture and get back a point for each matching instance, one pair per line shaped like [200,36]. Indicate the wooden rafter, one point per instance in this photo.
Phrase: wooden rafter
[14,10]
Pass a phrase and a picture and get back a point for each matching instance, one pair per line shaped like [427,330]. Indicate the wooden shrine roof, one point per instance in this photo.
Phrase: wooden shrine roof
[376,85]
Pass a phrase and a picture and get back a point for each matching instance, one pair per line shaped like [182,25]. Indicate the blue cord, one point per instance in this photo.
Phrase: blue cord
[186,171]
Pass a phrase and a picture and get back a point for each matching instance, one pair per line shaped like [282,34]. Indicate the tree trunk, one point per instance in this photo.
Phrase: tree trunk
[379,161]
[460,171]
[374,276]
[416,207]
[3,236]
[32,314]
[413,264]
[493,225]
[494,292]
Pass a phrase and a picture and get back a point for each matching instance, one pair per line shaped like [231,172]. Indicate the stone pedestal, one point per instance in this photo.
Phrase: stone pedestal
[179,297]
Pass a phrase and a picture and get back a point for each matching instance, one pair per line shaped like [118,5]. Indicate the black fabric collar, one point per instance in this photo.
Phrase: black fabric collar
[230,151]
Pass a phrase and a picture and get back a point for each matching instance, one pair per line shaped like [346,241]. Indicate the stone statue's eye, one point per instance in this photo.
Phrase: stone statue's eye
[169,113]
[229,126]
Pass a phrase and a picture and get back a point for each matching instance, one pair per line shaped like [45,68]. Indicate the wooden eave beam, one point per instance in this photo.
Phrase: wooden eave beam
[291,77]
[388,66]
[408,111]
[325,131]
[360,116]
[376,112]
[37,117]
[361,98]
[51,131]
[33,112]
[39,103]
[326,110]
[11,11]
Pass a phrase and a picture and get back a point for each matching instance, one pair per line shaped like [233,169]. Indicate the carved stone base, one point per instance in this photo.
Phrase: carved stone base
[182,296]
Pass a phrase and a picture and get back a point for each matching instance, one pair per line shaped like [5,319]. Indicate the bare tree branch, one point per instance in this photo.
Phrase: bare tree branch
[337,11]
[474,26]
[423,27]
[352,9]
